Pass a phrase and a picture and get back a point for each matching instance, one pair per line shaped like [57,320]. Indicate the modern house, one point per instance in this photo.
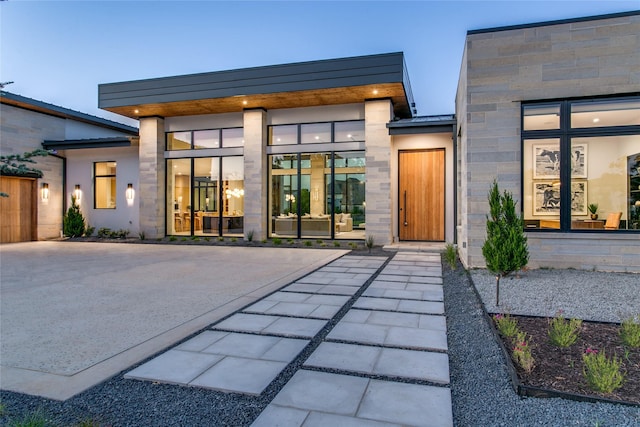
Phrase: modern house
[333,149]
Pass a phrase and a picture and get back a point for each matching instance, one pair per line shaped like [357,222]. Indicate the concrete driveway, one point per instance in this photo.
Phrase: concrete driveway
[73,314]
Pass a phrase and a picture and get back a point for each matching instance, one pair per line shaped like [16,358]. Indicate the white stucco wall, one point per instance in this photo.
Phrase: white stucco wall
[80,171]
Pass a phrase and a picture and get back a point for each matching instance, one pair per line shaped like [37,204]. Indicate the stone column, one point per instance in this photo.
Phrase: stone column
[255,173]
[378,170]
[152,177]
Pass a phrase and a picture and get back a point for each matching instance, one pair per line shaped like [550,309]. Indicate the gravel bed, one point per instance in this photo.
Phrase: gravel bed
[481,391]
[587,295]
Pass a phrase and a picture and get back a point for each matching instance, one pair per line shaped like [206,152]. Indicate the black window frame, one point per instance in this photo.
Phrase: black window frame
[565,134]
[95,181]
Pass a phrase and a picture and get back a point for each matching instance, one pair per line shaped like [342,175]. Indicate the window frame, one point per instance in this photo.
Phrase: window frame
[95,182]
[565,134]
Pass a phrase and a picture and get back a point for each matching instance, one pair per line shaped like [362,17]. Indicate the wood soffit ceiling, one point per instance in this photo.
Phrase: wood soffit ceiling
[273,101]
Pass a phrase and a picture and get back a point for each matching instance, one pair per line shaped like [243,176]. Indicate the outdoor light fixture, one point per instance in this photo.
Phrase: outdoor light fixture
[129,193]
[45,191]
[77,193]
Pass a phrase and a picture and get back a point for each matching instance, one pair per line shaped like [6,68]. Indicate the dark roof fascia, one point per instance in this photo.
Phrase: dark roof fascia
[300,76]
[75,144]
[423,124]
[556,22]
[55,110]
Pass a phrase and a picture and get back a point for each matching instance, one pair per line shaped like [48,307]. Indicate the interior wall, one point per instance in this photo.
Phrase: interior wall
[417,142]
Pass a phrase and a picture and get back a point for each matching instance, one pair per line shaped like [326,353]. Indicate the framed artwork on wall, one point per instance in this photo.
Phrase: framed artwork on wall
[546,158]
[546,198]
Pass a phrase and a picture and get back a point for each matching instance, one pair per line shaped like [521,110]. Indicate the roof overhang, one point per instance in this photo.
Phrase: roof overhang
[423,124]
[20,101]
[305,84]
[74,144]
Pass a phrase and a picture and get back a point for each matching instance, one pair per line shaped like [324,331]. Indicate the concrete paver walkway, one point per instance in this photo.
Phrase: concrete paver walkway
[383,364]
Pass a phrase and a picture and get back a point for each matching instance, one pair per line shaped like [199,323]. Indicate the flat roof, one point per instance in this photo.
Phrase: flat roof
[20,101]
[556,22]
[302,84]
[423,124]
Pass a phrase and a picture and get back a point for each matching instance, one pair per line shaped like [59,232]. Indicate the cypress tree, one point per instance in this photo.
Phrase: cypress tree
[73,222]
[505,250]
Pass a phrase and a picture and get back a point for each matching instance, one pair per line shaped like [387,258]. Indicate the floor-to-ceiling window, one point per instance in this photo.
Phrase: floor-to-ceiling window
[205,195]
[317,193]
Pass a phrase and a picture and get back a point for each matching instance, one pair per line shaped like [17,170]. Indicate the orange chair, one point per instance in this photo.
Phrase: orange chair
[613,221]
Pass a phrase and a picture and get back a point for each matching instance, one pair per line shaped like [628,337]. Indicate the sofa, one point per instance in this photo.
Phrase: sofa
[344,222]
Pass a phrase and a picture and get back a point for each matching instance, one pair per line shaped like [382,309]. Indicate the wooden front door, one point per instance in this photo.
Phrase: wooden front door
[18,214]
[421,198]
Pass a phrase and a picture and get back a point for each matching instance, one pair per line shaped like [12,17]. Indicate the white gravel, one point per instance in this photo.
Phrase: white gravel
[588,295]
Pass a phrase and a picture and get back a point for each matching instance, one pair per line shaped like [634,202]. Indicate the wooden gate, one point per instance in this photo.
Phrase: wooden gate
[422,195]
[18,212]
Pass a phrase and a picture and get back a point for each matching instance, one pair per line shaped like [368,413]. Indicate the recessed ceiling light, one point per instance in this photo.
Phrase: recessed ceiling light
[244,102]
[596,120]
[375,91]
[136,111]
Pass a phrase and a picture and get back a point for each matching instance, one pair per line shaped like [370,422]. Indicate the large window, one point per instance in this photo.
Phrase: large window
[205,196]
[581,165]
[318,195]
[104,185]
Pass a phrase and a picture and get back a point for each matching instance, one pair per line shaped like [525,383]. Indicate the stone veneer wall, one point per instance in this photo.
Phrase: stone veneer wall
[152,178]
[378,170]
[503,68]
[255,172]
[22,131]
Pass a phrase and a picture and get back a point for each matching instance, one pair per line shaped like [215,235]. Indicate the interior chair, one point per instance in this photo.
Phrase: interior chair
[178,221]
[613,221]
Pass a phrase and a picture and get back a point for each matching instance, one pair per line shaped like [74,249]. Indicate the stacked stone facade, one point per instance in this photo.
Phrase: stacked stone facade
[500,70]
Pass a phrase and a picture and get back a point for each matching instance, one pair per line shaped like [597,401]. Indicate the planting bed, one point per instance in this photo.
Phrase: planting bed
[561,369]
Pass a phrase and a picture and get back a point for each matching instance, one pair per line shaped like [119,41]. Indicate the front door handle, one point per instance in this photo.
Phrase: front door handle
[405,209]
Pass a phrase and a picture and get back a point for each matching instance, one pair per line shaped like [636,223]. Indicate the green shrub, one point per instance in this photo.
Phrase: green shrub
[277,241]
[73,224]
[173,238]
[369,242]
[630,332]
[250,234]
[336,244]
[522,352]
[506,325]
[308,243]
[563,332]
[450,256]
[602,374]
[89,231]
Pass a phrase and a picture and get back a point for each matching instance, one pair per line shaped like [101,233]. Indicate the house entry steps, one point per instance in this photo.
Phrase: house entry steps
[384,361]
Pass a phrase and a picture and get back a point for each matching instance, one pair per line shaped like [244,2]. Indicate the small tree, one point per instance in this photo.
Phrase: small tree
[505,249]
[73,224]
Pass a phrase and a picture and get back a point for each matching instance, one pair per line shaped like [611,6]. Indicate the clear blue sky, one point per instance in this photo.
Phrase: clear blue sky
[58,51]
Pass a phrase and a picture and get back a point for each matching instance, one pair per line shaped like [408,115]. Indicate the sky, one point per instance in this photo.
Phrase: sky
[60,51]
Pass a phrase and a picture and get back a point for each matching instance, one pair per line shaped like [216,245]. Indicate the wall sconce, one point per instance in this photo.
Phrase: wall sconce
[45,192]
[77,193]
[130,192]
